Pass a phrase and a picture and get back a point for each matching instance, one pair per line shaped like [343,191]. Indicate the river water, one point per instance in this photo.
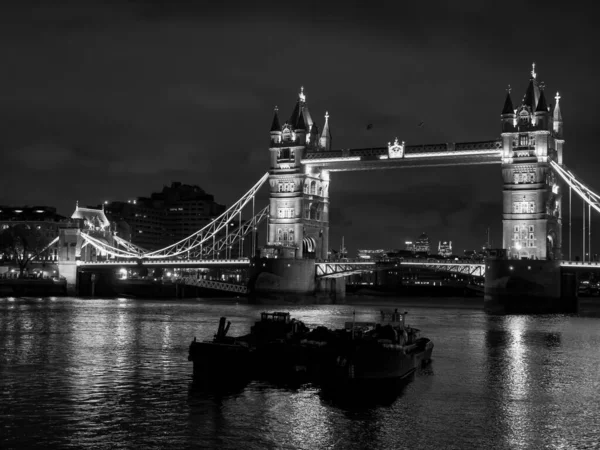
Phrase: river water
[104,374]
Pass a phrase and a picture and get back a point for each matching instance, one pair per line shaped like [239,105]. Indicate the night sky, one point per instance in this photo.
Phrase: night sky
[112,100]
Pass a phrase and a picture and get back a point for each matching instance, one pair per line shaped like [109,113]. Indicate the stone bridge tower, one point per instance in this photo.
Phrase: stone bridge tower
[532,138]
[298,195]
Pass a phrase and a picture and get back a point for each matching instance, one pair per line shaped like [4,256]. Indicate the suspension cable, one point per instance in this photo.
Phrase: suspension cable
[200,236]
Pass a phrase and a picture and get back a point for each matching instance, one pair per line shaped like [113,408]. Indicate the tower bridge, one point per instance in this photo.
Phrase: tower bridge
[301,161]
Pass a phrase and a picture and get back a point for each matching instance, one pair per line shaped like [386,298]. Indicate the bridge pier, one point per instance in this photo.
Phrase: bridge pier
[334,287]
[528,287]
[283,278]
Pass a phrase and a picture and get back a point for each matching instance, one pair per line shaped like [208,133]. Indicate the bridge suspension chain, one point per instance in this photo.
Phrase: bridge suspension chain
[237,236]
[199,237]
[129,245]
[187,244]
[589,196]
[104,247]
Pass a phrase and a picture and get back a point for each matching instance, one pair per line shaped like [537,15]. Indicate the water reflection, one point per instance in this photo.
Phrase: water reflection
[105,373]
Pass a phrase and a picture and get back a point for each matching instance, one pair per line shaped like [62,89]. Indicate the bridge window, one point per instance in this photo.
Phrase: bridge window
[285,235]
[532,178]
[283,153]
[285,213]
[291,234]
[313,187]
[523,140]
[306,187]
[523,207]
[531,228]
[287,134]
[286,187]
[279,234]
[321,191]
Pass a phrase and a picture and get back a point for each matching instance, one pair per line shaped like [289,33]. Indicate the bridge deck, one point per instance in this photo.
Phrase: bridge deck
[183,263]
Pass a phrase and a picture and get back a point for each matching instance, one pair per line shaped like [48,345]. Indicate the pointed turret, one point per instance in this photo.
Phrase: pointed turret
[300,125]
[325,139]
[532,94]
[275,128]
[508,104]
[542,106]
[301,109]
[313,137]
[541,112]
[296,113]
[557,118]
[508,115]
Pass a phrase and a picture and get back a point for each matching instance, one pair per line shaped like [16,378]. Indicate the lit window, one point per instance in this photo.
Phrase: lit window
[523,140]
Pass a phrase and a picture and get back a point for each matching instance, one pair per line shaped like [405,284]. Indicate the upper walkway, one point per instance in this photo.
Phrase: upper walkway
[398,155]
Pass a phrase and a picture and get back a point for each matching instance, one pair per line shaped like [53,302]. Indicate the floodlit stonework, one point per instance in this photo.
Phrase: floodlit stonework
[299,196]
[532,138]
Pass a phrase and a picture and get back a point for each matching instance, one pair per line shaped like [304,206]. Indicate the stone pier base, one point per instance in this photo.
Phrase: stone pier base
[335,288]
[68,270]
[527,287]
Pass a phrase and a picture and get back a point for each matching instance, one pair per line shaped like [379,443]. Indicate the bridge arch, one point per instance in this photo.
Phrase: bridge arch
[309,245]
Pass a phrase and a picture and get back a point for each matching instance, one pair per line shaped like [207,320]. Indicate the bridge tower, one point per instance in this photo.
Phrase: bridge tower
[298,196]
[531,137]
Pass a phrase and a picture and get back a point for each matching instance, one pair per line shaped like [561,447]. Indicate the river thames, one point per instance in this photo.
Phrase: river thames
[104,374]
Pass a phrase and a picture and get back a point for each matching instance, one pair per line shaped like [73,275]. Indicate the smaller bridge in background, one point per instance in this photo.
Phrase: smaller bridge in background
[579,266]
[346,268]
[214,284]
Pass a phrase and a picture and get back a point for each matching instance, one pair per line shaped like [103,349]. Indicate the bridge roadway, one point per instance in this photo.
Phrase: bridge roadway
[332,269]
[182,263]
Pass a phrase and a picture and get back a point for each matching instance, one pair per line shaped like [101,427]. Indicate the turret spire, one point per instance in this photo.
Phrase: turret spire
[557,118]
[542,106]
[301,95]
[301,125]
[557,113]
[325,140]
[508,104]
[532,95]
[276,126]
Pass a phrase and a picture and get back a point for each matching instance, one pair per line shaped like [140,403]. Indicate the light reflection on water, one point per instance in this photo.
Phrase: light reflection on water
[114,373]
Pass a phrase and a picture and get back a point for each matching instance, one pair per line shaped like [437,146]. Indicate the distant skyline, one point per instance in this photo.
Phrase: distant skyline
[110,101]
